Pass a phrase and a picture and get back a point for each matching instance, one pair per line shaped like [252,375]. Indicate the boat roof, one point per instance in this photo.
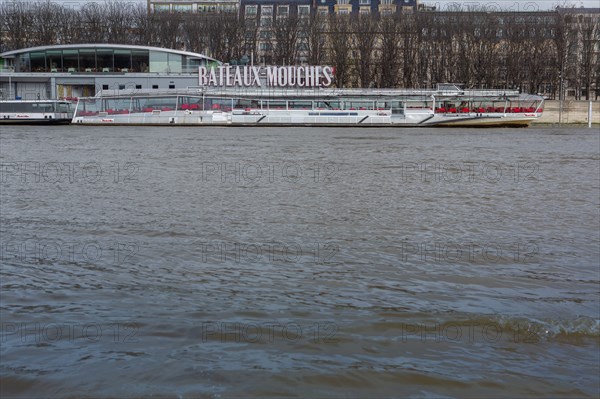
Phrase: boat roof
[307,93]
[15,53]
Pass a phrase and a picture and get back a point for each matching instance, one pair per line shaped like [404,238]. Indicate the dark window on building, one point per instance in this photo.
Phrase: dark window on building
[138,86]
[104,87]
[155,86]
[171,86]
[121,87]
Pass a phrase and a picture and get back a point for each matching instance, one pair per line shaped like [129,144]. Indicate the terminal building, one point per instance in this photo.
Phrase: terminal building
[82,70]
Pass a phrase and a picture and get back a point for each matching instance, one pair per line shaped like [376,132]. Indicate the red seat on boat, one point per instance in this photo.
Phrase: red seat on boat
[185,106]
[500,110]
[465,110]
[194,106]
[441,110]
[148,109]
[452,110]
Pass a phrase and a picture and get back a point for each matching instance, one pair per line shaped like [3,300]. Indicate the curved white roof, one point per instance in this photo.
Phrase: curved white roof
[13,53]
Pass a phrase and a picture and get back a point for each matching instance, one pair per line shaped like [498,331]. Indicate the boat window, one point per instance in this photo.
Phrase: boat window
[116,105]
[159,61]
[191,65]
[63,107]
[356,104]
[277,104]
[297,104]
[71,60]
[38,62]
[243,103]
[397,107]
[175,63]
[327,104]
[87,60]
[89,107]
[189,103]
[54,60]
[22,107]
[105,60]
[383,105]
[218,104]
[122,60]
[22,63]
[140,60]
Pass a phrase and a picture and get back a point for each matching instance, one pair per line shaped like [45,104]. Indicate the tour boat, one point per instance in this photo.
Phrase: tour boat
[36,112]
[448,105]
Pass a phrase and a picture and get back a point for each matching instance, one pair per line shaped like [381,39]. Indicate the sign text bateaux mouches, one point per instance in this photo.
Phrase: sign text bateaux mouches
[271,76]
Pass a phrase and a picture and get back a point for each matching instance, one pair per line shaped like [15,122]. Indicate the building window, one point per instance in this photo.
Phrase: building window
[155,86]
[121,87]
[251,10]
[171,86]
[387,2]
[283,11]
[202,8]
[138,86]
[266,11]
[343,2]
[162,7]
[303,10]
[365,2]
[182,8]
[104,87]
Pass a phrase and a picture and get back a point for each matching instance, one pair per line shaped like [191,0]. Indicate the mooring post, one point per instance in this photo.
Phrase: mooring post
[590,115]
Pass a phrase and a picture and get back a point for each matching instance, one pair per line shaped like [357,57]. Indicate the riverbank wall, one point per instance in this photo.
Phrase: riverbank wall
[574,112]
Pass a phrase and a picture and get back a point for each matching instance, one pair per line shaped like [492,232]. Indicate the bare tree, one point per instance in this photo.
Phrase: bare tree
[364,37]
[16,22]
[589,32]
[167,27]
[314,33]
[93,23]
[389,52]
[285,36]
[339,47]
[119,21]
[194,37]
[46,23]
[141,22]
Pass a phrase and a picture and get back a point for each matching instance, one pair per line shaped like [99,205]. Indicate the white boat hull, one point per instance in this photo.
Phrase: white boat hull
[307,118]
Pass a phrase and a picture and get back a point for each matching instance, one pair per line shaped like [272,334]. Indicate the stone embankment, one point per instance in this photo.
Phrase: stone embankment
[574,112]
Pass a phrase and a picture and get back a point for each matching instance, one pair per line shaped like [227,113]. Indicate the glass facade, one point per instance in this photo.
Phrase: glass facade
[107,60]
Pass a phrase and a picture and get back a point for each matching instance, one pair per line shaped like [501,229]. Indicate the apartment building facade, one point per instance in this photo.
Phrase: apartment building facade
[381,7]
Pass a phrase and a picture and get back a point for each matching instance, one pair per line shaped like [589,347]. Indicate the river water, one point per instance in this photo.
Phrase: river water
[299,262]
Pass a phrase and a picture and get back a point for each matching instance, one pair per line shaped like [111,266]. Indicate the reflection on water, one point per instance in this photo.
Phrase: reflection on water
[299,262]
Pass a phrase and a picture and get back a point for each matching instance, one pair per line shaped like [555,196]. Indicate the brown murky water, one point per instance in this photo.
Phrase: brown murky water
[294,262]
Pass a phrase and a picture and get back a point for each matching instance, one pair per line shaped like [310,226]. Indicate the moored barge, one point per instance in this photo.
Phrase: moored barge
[448,105]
